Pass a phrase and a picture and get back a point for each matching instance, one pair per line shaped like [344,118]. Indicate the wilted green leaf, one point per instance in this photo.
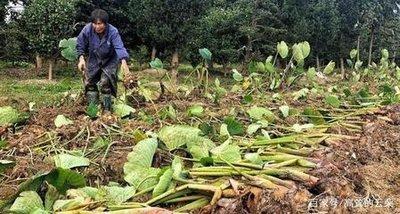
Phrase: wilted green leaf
[51,196]
[237,76]
[284,110]
[223,130]
[116,195]
[28,202]
[64,205]
[196,111]
[333,101]
[234,127]
[163,184]
[227,151]
[253,128]
[205,54]
[64,179]
[67,161]
[260,113]
[299,128]
[123,110]
[253,158]
[329,68]
[61,120]
[302,93]
[8,115]
[314,115]
[137,169]
[207,161]
[178,135]
[283,49]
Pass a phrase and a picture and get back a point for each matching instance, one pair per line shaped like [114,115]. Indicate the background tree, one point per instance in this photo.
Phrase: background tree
[46,22]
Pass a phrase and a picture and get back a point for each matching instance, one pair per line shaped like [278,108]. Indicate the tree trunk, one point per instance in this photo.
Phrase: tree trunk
[51,64]
[342,68]
[174,66]
[394,57]
[358,48]
[153,53]
[371,42]
[39,63]
[318,65]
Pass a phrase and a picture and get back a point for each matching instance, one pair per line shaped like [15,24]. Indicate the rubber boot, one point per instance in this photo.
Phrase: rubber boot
[92,97]
[107,102]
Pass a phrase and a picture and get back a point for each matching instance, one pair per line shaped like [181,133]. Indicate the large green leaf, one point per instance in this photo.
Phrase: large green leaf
[141,155]
[260,113]
[68,49]
[176,136]
[116,195]
[195,111]
[305,49]
[283,49]
[61,120]
[227,152]
[234,127]
[333,101]
[67,161]
[8,115]
[254,158]
[123,110]
[137,169]
[205,54]
[163,184]
[298,53]
[64,179]
[28,202]
[329,68]
[142,178]
[385,54]
[314,115]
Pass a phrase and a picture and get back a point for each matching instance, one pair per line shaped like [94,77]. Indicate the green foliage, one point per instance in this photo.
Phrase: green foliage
[283,49]
[67,161]
[260,113]
[163,184]
[68,49]
[28,202]
[61,120]
[314,116]
[205,53]
[157,64]
[234,127]
[8,115]
[195,111]
[123,110]
[137,170]
[226,152]
[92,110]
[46,21]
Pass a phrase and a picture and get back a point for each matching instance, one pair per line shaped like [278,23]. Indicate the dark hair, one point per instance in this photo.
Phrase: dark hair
[99,14]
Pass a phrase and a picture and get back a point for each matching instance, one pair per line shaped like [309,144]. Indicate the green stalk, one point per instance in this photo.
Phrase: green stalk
[286,157]
[194,205]
[288,184]
[185,198]
[208,188]
[144,191]
[125,206]
[175,195]
[300,152]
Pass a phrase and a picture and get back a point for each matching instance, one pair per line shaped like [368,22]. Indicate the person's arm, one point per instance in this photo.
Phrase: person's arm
[81,48]
[120,49]
[82,41]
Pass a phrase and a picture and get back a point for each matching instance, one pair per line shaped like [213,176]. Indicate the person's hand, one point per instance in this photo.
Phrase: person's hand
[82,64]
[124,68]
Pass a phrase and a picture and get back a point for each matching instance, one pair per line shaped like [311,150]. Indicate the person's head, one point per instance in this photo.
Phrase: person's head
[99,19]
